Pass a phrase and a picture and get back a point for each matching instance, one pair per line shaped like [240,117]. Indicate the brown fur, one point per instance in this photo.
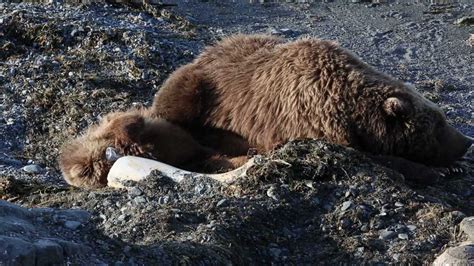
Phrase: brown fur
[135,132]
[257,91]
[269,92]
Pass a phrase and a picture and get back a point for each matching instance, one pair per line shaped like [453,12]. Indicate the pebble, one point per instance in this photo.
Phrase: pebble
[200,189]
[73,225]
[222,203]
[346,205]
[272,193]
[309,183]
[387,234]
[211,224]
[32,169]
[134,191]
[400,228]
[121,217]
[412,228]
[403,236]
[396,256]
[163,200]
[139,200]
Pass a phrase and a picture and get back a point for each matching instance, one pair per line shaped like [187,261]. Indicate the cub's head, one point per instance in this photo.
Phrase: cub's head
[86,161]
[414,128]
[83,162]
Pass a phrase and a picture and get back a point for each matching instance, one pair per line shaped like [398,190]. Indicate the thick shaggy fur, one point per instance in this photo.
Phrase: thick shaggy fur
[84,164]
[269,92]
[258,91]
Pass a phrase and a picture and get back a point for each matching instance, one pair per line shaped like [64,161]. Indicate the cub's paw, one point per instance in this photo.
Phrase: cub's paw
[125,130]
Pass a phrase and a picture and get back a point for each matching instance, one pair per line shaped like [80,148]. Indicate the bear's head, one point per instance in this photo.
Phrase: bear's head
[408,125]
[83,163]
[86,161]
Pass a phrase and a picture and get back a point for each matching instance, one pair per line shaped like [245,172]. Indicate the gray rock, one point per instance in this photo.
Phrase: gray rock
[14,225]
[200,189]
[272,193]
[9,209]
[387,234]
[73,225]
[122,217]
[467,226]
[134,191]
[80,216]
[461,255]
[72,249]
[346,205]
[139,200]
[364,228]
[32,169]
[15,251]
[48,252]
[221,203]
[163,199]
[403,236]
[412,228]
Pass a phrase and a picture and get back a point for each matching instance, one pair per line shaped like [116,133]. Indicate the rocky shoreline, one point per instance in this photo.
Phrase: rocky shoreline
[65,66]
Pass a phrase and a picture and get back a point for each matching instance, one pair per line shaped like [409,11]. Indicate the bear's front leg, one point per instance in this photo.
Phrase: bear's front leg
[125,130]
[412,171]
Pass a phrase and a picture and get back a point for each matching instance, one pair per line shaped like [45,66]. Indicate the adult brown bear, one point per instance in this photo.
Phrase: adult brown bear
[270,92]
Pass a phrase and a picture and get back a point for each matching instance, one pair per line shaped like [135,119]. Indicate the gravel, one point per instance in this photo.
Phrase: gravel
[64,66]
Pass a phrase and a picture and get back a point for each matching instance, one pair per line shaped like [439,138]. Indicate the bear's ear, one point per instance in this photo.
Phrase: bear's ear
[395,106]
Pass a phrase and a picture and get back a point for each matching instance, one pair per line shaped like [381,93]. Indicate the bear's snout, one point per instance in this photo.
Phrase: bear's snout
[454,145]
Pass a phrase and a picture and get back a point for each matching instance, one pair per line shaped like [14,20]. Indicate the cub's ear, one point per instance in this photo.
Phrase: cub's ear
[395,106]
